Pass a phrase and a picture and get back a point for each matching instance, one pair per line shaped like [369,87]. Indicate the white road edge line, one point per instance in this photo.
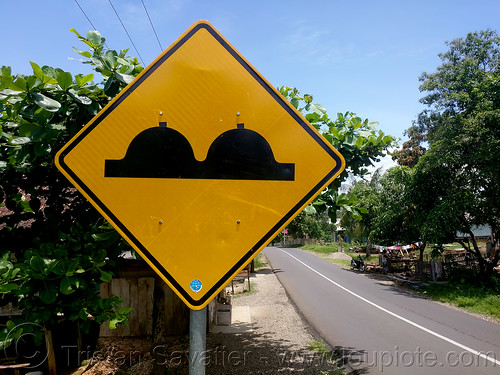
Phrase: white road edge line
[453,342]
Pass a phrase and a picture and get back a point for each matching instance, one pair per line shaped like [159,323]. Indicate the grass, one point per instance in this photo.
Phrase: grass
[472,298]
[324,250]
[318,346]
[260,261]
[245,291]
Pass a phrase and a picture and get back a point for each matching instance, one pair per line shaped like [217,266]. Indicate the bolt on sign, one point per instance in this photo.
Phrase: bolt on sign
[198,163]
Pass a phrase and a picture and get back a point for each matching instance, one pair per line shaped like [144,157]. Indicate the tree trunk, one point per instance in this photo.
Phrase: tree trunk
[51,358]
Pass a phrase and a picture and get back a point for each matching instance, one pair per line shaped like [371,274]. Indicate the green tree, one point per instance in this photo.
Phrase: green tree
[358,140]
[55,248]
[357,218]
[310,226]
[394,214]
[456,183]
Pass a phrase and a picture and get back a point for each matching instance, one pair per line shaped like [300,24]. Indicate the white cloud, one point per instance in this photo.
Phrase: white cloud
[306,43]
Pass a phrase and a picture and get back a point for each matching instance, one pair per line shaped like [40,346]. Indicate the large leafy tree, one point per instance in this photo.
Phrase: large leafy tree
[395,214]
[357,219]
[359,141]
[456,183]
[55,249]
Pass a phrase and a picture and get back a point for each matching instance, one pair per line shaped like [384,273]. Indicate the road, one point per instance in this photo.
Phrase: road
[380,329]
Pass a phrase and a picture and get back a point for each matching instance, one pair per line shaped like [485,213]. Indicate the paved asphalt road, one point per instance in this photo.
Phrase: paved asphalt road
[379,329]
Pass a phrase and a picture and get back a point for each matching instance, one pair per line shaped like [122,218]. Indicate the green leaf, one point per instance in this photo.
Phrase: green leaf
[93,36]
[81,80]
[318,108]
[50,71]
[41,75]
[45,102]
[7,288]
[37,71]
[106,276]
[125,78]
[76,32]
[26,129]
[111,87]
[66,285]
[81,99]
[310,210]
[31,82]
[48,294]
[83,314]
[124,310]
[18,141]
[64,80]
[83,53]
[359,142]
[103,236]
[112,323]
[5,267]
[59,268]
[42,149]
[6,71]
[19,84]
[313,117]
[110,58]
[37,264]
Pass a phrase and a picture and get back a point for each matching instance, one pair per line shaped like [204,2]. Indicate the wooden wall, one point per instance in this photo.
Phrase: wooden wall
[138,294]
[153,304]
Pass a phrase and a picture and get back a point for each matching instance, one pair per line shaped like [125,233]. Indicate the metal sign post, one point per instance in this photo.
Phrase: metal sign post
[197,341]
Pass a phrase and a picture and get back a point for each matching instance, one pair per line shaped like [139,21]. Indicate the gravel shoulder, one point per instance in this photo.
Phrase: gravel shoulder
[276,340]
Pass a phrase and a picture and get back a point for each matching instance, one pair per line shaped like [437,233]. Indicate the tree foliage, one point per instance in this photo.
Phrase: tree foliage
[389,216]
[359,141]
[456,182]
[55,248]
[311,226]
[453,186]
[412,150]
[396,214]
[465,85]
[357,219]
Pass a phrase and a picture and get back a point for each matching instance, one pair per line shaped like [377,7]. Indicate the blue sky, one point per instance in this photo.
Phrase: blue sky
[361,56]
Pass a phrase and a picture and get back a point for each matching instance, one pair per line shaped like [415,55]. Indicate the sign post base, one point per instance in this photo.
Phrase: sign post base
[197,341]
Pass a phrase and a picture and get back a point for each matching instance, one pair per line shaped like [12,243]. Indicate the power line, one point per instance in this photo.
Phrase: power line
[152,26]
[124,28]
[85,14]
[88,19]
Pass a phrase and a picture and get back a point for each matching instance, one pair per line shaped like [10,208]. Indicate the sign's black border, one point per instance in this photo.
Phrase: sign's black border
[267,237]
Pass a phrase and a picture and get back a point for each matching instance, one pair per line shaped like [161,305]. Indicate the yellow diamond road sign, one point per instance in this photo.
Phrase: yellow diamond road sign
[199,163]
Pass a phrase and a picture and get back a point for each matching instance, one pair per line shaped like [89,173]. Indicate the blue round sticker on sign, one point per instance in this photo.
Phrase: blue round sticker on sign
[196,285]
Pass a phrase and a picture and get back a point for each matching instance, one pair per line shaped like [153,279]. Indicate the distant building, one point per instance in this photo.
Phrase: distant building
[481,232]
